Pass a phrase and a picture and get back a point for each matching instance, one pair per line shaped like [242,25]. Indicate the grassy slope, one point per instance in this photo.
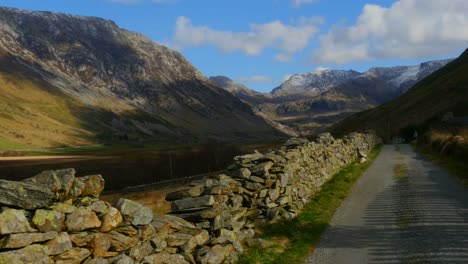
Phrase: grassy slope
[35,114]
[443,91]
[293,241]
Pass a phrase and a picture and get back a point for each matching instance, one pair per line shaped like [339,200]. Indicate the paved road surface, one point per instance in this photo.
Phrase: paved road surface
[419,219]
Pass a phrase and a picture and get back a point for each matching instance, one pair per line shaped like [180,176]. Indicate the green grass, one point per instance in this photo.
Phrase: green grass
[293,241]
[455,166]
[11,145]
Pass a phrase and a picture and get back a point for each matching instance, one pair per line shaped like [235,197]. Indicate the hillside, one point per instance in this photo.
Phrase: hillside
[75,80]
[446,90]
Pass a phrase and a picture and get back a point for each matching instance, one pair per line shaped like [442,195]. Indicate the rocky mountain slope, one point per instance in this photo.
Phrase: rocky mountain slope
[311,102]
[446,90]
[120,83]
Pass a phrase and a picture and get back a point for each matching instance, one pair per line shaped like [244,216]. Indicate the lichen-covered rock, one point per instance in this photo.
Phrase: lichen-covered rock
[36,254]
[59,182]
[111,220]
[73,256]
[120,242]
[24,195]
[25,239]
[14,221]
[49,220]
[82,219]
[216,255]
[134,212]
[59,244]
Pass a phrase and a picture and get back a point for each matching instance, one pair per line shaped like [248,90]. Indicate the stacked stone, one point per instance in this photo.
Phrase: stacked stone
[266,188]
[56,217]
[215,205]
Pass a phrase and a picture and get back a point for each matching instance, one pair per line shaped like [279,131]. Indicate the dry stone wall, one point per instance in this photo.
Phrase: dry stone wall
[56,217]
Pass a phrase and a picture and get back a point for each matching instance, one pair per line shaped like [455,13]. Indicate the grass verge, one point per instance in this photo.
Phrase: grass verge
[293,241]
[455,166]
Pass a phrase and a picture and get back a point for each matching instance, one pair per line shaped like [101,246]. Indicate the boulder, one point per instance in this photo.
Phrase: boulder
[24,195]
[49,220]
[82,219]
[14,221]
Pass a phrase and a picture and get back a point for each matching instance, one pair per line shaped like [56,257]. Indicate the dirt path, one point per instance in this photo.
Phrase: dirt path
[419,217]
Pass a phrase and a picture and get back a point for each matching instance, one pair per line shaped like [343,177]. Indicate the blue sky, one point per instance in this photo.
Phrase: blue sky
[261,42]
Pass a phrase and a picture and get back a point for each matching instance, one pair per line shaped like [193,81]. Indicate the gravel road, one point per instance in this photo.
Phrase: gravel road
[421,218]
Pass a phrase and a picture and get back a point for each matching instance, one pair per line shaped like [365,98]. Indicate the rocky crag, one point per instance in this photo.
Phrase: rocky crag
[57,217]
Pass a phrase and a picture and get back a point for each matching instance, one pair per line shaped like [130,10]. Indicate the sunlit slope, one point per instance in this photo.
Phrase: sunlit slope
[35,114]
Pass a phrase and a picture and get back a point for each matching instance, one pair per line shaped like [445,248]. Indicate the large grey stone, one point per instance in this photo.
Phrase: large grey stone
[24,195]
[134,212]
[59,182]
[197,202]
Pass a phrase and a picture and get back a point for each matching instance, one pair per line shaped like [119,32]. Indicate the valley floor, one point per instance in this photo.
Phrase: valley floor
[404,209]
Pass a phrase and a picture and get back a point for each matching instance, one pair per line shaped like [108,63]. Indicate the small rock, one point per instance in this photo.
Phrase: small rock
[121,259]
[25,239]
[217,254]
[59,244]
[101,245]
[242,173]
[99,207]
[36,254]
[82,219]
[73,256]
[197,202]
[139,252]
[121,242]
[93,185]
[97,261]
[49,220]
[134,212]
[81,239]
[111,220]
[14,221]
[165,258]
[262,168]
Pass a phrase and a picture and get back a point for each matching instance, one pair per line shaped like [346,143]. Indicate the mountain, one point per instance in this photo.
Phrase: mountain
[445,90]
[240,91]
[310,103]
[312,83]
[68,80]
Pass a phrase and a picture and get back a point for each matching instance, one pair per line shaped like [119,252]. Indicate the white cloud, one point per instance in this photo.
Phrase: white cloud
[407,29]
[298,3]
[256,79]
[286,39]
